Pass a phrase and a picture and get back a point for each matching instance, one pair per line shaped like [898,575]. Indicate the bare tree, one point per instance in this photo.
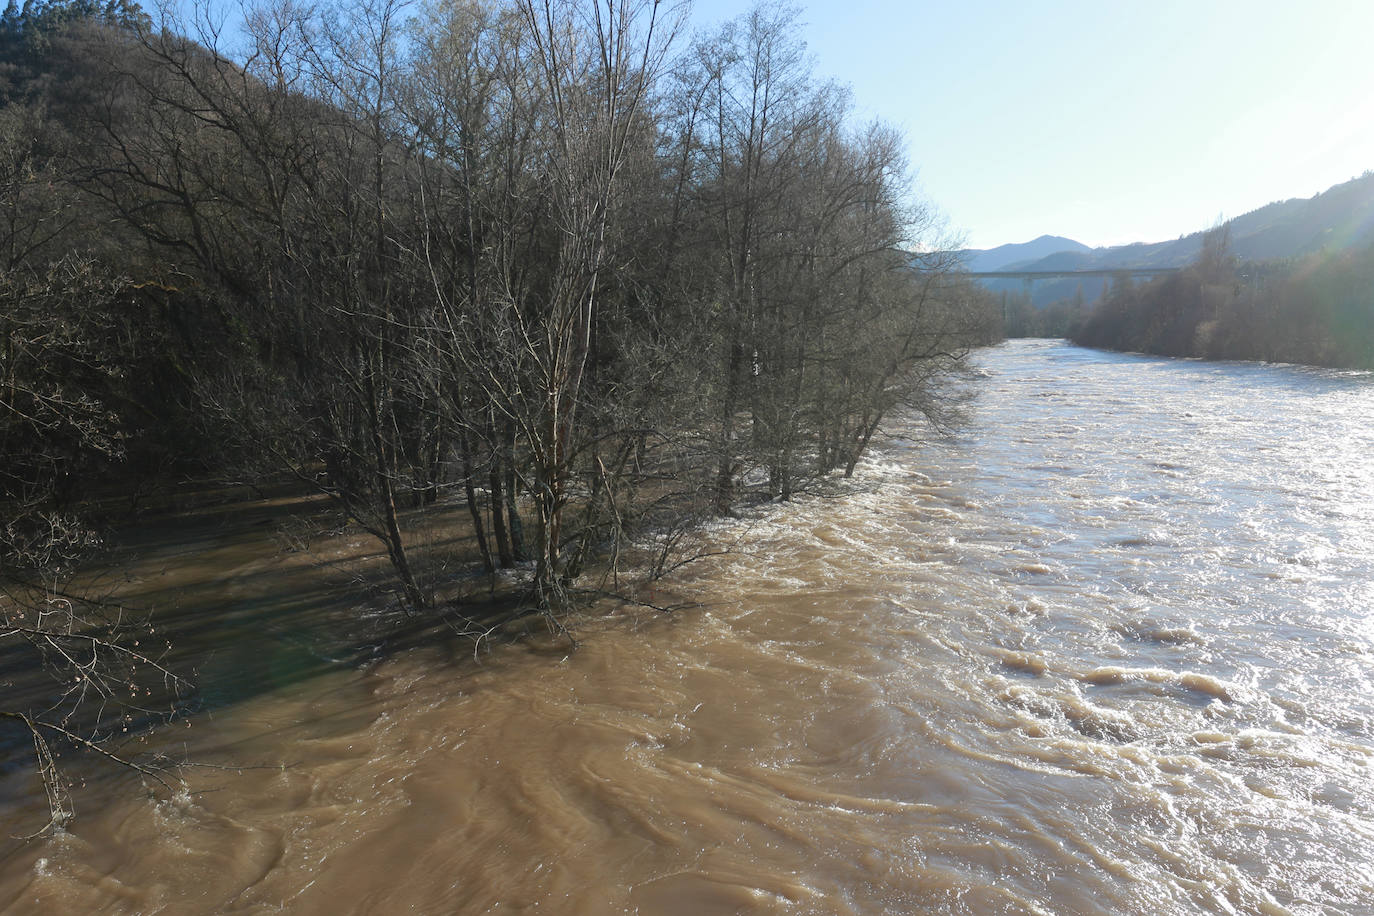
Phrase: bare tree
[282,182]
[804,226]
[106,674]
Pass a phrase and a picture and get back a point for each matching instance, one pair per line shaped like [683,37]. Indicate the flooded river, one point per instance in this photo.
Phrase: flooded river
[1110,651]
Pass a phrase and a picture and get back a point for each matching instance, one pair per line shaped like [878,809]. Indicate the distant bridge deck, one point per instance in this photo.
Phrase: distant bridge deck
[1069,274]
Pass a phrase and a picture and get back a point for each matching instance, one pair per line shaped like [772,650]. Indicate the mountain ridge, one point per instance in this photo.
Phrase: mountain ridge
[983,260]
[1334,220]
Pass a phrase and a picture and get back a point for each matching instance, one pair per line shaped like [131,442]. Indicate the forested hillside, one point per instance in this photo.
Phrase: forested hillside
[589,278]
[1339,218]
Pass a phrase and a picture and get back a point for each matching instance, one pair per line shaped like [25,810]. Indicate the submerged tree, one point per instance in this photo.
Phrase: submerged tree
[802,226]
[507,256]
[489,250]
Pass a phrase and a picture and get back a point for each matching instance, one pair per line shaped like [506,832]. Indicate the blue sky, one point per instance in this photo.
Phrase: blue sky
[1108,122]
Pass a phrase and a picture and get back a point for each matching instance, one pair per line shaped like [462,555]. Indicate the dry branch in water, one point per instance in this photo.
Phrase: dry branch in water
[105,682]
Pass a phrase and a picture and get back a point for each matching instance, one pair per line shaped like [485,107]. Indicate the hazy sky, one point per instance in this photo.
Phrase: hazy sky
[1106,121]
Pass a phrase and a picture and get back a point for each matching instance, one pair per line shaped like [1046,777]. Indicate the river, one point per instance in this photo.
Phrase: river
[1111,650]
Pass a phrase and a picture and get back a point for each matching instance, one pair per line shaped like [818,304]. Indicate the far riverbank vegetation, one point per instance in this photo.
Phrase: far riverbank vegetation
[1316,310]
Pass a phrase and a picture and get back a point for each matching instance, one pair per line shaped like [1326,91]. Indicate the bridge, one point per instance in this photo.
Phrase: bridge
[1029,275]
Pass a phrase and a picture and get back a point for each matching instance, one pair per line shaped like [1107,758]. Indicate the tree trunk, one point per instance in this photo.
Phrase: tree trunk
[725,472]
[474,510]
[513,523]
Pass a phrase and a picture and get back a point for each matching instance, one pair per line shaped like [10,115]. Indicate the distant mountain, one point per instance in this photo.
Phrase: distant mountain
[982,260]
[1333,220]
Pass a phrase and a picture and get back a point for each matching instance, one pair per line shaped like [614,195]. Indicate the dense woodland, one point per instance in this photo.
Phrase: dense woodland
[1022,318]
[1316,310]
[557,265]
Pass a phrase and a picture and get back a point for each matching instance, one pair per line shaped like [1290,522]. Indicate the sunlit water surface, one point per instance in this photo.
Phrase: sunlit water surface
[1111,651]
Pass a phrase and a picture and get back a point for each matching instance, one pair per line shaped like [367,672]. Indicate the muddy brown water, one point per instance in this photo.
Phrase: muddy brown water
[1111,651]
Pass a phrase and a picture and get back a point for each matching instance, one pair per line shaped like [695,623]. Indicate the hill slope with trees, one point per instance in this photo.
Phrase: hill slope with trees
[1339,218]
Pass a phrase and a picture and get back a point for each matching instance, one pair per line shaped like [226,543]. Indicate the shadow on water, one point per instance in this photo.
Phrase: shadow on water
[243,611]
